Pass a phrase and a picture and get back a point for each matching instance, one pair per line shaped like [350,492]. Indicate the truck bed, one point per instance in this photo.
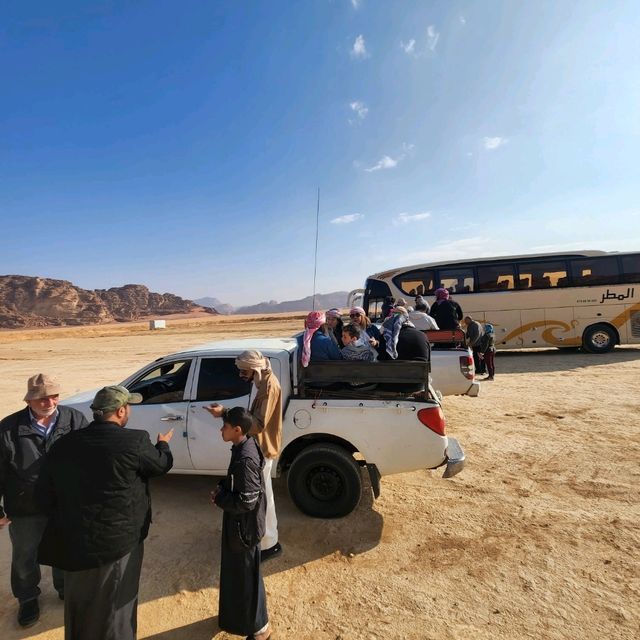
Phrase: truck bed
[356,379]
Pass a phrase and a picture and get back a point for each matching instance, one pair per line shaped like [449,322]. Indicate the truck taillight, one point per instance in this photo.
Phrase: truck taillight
[433,418]
[466,367]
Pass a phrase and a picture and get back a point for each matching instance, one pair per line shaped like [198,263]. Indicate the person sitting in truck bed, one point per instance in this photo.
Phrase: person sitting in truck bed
[402,340]
[314,344]
[335,326]
[370,333]
[421,318]
[354,348]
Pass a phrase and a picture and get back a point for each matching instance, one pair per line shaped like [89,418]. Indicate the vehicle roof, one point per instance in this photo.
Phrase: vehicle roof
[381,275]
[268,346]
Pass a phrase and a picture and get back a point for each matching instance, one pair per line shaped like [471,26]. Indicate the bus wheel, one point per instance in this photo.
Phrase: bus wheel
[599,338]
[324,481]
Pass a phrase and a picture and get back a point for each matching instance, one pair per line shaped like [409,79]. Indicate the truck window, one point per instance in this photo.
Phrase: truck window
[164,383]
[219,380]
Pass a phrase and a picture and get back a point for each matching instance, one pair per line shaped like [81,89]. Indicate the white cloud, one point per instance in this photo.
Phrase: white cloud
[359,49]
[386,162]
[432,37]
[408,47]
[348,219]
[463,20]
[417,50]
[356,4]
[360,108]
[406,218]
[494,143]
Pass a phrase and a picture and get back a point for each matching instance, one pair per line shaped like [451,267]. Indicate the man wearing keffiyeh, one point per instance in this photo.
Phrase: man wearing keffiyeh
[266,412]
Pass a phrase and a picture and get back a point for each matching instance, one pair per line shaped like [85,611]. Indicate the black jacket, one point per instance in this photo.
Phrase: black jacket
[447,314]
[95,488]
[412,345]
[242,497]
[22,451]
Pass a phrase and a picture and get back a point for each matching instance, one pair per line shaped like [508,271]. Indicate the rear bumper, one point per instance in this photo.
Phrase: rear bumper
[473,390]
[455,458]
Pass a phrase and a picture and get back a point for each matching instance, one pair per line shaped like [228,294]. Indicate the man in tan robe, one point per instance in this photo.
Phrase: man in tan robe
[266,411]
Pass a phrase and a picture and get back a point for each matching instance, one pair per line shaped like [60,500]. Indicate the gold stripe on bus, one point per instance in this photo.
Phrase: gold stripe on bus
[552,325]
[625,316]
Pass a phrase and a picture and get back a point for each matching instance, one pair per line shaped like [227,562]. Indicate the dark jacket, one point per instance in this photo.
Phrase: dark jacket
[95,488]
[412,345]
[242,497]
[22,451]
[447,314]
[474,334]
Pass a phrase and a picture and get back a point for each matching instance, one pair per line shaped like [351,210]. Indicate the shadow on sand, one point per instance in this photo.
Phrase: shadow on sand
[560,359]
[201,630]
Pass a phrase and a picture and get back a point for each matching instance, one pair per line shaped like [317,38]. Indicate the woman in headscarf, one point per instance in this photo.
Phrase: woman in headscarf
[445,312]
[314,344]
[335,326]
[370,333]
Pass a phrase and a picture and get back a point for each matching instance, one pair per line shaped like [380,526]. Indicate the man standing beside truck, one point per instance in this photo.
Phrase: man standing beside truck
[25,440]
[265,406]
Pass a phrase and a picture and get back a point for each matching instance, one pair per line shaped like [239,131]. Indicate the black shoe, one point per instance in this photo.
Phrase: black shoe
[61,594]
[271,552]
[28,613]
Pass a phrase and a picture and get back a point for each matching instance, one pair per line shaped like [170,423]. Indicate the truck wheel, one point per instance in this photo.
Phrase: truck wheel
[324,481]
[599,338]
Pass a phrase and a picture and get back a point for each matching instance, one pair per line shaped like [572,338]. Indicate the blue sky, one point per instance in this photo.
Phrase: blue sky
[181,144]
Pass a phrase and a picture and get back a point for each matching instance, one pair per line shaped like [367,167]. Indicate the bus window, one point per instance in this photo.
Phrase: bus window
[496,277]
[456,280]
[415,283]
[542,275]
[588,271]
[630,268]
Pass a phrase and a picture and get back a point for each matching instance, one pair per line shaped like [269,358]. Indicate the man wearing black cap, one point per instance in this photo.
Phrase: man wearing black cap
[26,437]
[95,485]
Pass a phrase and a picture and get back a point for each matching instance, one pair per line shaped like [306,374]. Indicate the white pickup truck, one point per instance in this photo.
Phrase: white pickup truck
[338,417]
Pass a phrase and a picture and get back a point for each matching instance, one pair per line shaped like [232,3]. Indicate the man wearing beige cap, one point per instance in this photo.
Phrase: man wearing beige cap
[95,484]
[25,440]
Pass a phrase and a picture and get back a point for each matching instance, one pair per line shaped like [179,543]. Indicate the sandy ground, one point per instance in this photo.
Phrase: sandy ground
[537,538]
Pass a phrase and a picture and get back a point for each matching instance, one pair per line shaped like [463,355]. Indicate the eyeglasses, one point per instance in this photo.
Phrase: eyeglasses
[354,315]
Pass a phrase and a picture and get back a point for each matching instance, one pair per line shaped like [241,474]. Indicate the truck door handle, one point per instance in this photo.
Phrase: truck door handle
[171,418]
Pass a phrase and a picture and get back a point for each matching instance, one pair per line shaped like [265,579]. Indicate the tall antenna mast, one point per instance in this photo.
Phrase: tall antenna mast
[315,259]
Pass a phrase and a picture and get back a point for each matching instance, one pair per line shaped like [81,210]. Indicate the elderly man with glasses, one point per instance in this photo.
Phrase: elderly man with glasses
[25,440]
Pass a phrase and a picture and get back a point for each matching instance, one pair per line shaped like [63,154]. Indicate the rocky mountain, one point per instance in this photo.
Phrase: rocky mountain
[323,301]
[27,301]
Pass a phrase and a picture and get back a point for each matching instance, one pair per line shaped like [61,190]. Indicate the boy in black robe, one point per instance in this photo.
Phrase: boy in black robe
[243,602]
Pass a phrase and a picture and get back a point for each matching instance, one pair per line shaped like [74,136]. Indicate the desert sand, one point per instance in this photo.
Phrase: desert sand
[537,538]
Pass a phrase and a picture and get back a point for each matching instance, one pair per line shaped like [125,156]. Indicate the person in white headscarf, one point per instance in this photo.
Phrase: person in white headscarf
[266,412]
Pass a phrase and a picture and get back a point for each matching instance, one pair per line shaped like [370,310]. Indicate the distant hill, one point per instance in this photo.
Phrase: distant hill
[27,301]
[323,301]
[214,303]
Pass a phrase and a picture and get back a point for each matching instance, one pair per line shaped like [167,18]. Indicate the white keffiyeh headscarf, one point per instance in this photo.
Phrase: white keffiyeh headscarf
[391,329]
[254,361]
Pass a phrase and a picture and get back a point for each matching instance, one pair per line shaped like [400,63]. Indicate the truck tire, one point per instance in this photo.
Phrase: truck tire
[599,338]
[324,481]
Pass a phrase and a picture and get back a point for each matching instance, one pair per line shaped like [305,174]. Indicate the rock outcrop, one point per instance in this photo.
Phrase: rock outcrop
[27,301]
